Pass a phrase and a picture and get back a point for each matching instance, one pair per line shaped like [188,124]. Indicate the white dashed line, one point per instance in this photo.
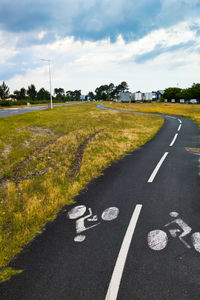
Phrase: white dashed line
[121,259]
[153,175]
[179,127]
[180,121]
[174,139]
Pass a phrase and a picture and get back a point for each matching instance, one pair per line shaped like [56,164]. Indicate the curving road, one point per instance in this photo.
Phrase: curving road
[7,112]
[137,254]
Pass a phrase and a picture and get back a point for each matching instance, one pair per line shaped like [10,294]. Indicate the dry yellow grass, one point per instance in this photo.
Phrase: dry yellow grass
[186,110]
[38,152]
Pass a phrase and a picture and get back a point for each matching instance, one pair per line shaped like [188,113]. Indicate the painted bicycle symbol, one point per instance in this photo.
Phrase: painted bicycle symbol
[158,239]
[78,213]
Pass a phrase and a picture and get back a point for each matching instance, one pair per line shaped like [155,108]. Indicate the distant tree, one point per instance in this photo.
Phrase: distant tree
[4,91]
[77,95]
[16,94]
[68,95]
[185,94]
[91,95]
[101,92]
[111,89]
[122,87]
[104,92]
[172,93]
[43,94]
[107,92]
[195,91]
[73,95]
[20,94]
[59,92]
[31,92]
[23,93]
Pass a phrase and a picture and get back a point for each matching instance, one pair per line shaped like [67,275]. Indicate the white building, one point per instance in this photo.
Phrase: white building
[138,97]
[147,96]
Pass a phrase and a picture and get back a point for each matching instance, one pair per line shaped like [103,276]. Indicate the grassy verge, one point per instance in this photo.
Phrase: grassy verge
[47,157]
[186,110]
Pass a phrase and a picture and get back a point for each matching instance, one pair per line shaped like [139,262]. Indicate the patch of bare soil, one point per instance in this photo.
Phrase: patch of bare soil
[38,130]
[79,155]
[15,173]
[17,177]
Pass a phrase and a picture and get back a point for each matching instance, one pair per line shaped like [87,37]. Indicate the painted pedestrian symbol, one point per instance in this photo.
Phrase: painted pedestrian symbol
[79,213]
[158,239]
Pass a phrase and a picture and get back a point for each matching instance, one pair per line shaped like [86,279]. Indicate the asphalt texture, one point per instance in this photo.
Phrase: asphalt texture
[55,267]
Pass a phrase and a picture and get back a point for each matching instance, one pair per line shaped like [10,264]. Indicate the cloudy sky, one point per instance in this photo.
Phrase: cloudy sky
[150,44]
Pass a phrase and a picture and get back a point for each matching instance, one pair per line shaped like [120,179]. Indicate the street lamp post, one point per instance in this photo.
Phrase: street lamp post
[48,60]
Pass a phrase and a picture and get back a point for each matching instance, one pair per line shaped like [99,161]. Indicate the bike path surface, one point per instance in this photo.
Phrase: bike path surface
[7,112]
[57,268]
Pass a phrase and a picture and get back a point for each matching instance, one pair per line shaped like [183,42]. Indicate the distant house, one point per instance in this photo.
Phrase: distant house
[142,97]
[159,94]
[147,97]
[154,96]
[138,96]
[125,96]
[9,99]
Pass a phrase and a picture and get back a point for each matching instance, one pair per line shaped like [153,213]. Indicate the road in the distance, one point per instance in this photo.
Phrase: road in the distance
[115,261]
[7,112]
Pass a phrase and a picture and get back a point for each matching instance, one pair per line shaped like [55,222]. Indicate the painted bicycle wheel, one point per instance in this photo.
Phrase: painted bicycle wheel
[157,240]
[196,241]
[110,214]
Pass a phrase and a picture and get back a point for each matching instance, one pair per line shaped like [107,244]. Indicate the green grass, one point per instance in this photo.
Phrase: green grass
[47,157]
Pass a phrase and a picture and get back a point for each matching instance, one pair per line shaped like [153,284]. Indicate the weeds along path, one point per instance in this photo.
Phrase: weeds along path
[47,157]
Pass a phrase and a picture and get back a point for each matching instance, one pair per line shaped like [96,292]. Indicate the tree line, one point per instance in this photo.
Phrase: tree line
[176,93]
[103,92]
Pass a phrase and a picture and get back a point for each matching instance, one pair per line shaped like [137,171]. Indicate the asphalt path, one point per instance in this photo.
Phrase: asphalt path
[7,112]
[124,258]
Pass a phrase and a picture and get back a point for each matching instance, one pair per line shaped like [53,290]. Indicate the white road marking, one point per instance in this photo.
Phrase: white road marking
[110,214]
[186,229]
[153,175]
[157,240]
[121,259]
[174,214]
[179,127]
[180,121]
[79,238]
[196,241]
[80,223]
[77,212]
[174,139]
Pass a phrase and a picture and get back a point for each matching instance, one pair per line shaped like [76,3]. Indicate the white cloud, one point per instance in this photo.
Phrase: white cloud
[41,35]
[85,64]
[8,47]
